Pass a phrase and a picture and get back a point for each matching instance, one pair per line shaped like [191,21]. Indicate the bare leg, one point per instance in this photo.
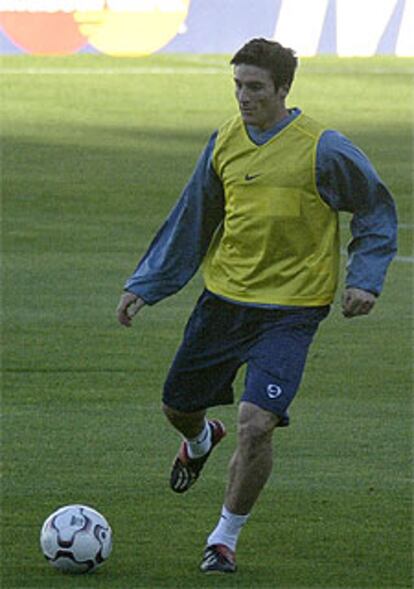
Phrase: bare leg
[249,470]
[188,424]
[251,464]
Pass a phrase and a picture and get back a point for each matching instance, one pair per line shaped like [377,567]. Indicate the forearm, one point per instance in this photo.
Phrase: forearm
[348,182]
[372,248]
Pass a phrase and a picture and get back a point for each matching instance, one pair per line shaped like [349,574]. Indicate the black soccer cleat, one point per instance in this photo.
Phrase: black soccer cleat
[185,470]
[218,558]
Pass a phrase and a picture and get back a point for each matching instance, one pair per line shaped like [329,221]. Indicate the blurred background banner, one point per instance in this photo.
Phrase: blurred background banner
[141,27]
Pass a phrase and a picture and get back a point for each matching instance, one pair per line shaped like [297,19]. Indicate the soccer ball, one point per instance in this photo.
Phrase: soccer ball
[76,539]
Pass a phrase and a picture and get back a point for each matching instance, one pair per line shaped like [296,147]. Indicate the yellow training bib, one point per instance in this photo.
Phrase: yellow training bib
[279,242]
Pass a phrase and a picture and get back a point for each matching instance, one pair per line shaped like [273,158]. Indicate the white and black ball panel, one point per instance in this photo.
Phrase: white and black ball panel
[76,539]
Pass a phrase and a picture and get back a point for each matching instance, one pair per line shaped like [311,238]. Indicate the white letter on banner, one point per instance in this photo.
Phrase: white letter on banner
[405,43]
[299,25]
[360,25]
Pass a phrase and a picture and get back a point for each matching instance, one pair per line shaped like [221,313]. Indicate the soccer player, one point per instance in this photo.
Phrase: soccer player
[260,213]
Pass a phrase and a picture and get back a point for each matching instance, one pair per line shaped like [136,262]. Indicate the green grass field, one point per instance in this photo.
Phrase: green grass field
[95,152]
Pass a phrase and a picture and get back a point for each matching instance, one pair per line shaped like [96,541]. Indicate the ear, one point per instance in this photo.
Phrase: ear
[283,91]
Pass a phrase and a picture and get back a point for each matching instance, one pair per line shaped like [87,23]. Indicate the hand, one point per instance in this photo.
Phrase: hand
[128,306]
[356,301]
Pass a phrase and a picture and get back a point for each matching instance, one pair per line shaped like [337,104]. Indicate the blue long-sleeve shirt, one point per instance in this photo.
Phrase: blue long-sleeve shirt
[346,180]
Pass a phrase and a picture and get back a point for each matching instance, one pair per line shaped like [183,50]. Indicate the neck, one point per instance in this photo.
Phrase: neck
[279,116]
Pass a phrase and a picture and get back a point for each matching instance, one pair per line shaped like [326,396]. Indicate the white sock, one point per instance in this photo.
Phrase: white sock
[200,445]
[228,529]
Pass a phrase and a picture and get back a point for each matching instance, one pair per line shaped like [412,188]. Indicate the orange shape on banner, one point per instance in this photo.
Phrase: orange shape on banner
[138,32]
[42,32]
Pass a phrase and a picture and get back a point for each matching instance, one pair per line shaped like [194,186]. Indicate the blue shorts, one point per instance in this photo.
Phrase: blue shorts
[221,336]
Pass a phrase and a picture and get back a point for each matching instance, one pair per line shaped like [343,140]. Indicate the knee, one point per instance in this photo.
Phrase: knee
[252,435]
[255,429]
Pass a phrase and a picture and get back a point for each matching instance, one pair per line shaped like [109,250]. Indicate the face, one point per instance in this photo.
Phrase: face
[260,104]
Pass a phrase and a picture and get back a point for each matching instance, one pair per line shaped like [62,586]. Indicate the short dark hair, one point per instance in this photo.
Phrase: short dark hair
[280,61]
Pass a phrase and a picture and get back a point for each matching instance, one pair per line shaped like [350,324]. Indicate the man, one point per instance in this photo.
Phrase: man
[261,213]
